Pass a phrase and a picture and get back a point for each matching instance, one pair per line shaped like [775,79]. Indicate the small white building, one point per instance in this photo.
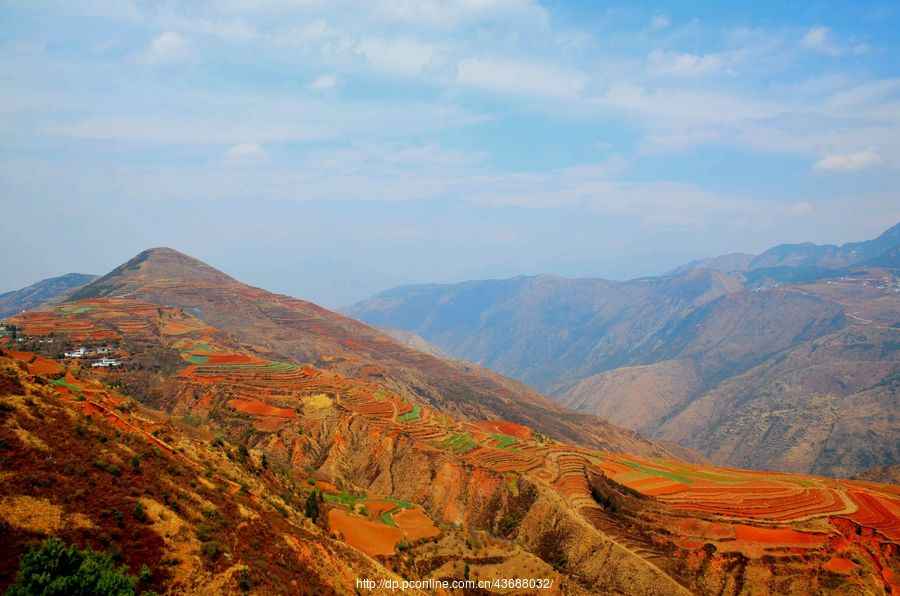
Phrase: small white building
[106,363]
[75,353]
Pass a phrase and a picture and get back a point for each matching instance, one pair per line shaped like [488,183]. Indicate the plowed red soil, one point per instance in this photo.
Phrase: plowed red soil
[505,428]
[415,524]
[232,359]
[777,535]
[372,538]
[258,408]
[840,565]
[44,366]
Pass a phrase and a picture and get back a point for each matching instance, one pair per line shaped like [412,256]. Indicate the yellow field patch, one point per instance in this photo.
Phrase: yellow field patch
[30,440]
[31,514]
[315,405]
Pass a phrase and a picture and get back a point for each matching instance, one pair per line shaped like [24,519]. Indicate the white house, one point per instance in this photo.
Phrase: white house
[75,353]
[106,362]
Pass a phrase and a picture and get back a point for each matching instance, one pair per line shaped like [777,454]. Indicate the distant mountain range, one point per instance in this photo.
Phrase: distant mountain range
[787,360]
[828,255]
[42,293]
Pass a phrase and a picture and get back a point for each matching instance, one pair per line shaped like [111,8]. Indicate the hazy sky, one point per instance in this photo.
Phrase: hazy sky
[331,149]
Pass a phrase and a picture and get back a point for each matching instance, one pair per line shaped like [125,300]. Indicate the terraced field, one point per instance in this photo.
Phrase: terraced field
[783,505]
[100,320]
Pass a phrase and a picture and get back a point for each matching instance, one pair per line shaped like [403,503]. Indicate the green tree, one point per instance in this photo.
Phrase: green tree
[312,506]
[51,569]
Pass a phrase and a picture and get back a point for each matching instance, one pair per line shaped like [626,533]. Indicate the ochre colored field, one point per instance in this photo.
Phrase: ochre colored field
[44,366]
[233,359]
[37,365]
[258,408]
[505,428]
[840,565]
[372,538]
[877,511]
[415,524]
[777,535]
[378,508]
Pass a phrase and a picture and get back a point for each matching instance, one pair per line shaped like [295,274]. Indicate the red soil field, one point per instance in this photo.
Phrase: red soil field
[415,524]
[840,565]
[505,428]
[777,535]
[376,508]
[327,487]
[44,366]
[372,538]
[37,365]
[25,357]
[95,409]
[232,359]
[258,408]
[663,490]
[876,513]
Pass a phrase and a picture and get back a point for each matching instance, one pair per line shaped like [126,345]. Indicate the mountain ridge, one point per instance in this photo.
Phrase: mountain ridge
[640,352]
[42,293]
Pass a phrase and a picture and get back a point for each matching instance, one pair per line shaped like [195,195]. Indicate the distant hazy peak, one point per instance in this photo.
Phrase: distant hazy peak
[736,261]
[153,264]
[828,255]
[46,291]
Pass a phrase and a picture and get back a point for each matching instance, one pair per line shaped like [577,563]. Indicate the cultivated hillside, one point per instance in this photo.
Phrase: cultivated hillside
[277,326]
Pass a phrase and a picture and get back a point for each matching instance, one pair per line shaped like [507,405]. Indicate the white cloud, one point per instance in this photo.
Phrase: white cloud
[659,203]
[849,162]
[519,77]
[170,47]
[659,22]
[237,117]
[244,154]
[305,35]
[323,83]
[683,106]
[821,40]
[676,64]
[454,13]
[234,31]
[801,208]
[396,56]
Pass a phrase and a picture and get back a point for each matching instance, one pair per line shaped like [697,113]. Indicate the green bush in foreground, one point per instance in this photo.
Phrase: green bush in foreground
[51,569]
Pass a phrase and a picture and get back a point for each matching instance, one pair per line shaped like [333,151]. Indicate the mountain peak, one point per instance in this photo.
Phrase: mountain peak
[152,265]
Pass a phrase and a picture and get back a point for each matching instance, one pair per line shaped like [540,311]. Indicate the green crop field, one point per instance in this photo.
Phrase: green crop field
[411,415]
[77,310]
[346,499]
[62,383]
[503,441]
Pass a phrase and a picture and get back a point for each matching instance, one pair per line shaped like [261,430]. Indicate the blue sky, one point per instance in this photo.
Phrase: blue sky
[332,149]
